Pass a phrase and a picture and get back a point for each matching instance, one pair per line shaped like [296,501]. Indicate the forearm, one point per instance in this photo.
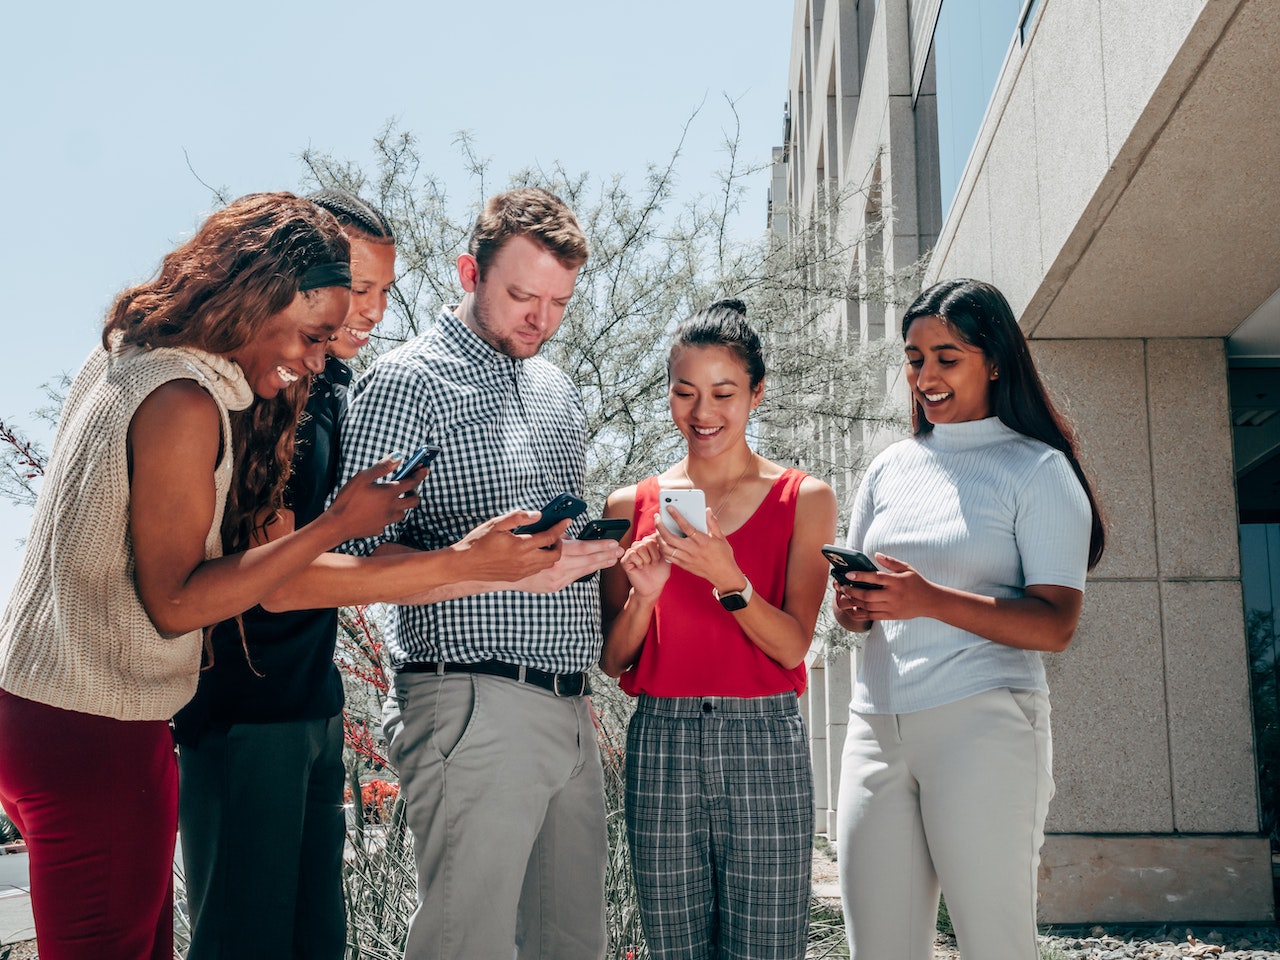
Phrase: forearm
[778,632]
[774,631]
[575,560]
[1030,622]
[625,635]
[225,587]
[404,576]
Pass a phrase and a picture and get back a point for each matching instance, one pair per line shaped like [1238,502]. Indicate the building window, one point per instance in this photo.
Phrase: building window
[1028,14]
[1255,416]
[970,43]
[1260,568]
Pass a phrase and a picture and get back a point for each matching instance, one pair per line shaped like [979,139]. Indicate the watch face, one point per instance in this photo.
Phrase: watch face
[733,601]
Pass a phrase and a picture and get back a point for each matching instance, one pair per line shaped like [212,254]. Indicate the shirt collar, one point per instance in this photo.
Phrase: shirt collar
[335,372]
[970,434]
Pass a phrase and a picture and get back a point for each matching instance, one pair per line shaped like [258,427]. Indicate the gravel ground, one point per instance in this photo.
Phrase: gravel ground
[1091,943]
[1086,943]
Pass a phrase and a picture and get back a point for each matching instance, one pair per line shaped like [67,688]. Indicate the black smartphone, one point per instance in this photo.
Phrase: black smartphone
[563,506]
[842,559]
[419,458]
[606,528]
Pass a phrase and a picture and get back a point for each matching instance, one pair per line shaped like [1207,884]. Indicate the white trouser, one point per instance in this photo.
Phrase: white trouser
[953,796]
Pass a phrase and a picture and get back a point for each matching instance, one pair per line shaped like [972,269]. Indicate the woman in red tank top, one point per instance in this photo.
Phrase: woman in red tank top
[709,630]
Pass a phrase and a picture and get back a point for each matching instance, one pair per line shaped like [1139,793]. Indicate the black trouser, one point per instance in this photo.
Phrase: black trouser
[261,821]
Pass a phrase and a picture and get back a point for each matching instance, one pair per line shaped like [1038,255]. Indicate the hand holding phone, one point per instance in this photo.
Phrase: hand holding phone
[691,504]
[606,528]
[842,559]
[419,458]
[563,506]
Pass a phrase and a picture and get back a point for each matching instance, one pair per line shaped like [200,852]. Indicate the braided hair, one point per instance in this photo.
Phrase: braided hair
[356,216]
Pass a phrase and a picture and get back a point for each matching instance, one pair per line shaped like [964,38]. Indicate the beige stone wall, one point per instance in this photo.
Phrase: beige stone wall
[1154,690]
[1151,712]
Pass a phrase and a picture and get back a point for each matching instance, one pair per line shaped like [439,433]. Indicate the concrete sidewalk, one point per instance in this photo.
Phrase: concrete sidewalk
[15,903]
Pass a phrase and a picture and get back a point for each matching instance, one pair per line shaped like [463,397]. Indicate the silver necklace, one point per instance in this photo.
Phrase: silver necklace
[725,499]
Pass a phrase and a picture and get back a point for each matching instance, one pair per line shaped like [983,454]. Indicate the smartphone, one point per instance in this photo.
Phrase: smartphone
[842,559]
[419,458]
[563,506]
[606,528]
[691,504]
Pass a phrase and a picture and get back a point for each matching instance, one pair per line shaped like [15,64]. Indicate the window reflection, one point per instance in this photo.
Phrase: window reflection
[970,43]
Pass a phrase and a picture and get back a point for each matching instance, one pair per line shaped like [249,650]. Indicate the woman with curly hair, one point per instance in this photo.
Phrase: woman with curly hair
[100,643]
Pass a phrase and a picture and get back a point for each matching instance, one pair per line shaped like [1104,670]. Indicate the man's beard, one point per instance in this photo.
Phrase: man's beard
[508,346]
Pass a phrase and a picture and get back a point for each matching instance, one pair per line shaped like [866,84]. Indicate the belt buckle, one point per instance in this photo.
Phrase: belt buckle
[555,686]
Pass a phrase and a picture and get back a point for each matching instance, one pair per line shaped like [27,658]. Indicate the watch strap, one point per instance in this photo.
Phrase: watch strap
[735,599]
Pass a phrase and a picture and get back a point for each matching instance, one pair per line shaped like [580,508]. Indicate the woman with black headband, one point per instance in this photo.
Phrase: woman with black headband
[260,759]
[100,643]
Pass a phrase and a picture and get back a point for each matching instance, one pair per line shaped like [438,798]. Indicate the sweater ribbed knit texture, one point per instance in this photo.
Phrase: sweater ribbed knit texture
[978,507]
[75,634]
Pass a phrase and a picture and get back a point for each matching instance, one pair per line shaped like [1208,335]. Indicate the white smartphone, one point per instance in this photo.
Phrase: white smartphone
[691,504]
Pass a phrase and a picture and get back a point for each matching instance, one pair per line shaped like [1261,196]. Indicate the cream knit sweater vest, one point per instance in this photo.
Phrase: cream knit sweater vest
[75,634]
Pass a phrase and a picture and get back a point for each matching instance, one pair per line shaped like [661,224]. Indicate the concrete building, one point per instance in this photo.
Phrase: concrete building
[1113,166]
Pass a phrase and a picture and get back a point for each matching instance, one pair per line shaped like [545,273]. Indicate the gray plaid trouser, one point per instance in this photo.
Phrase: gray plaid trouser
[720,821]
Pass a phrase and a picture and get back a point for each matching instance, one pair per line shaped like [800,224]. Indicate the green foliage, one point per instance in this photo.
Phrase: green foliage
[379,883]
[826,931]
[944,918]
[8,832]
[622,907]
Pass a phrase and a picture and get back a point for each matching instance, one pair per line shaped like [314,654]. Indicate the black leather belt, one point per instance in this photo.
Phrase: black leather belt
[561,684]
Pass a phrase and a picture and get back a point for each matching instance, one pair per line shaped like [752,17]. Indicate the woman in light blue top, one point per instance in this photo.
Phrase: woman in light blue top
[983,525]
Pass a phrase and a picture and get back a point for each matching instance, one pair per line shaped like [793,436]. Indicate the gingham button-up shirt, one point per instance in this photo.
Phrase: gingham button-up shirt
[512,435]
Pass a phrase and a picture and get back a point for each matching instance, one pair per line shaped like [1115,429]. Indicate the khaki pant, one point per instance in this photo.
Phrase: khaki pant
[505,798]
[955,796]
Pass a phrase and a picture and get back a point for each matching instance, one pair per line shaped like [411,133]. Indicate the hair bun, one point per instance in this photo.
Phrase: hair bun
[737,306]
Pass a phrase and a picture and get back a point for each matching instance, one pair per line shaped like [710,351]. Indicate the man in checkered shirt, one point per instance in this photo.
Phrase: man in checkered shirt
[488,721]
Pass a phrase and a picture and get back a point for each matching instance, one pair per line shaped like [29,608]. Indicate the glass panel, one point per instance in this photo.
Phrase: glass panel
[969,47]
[1260,579]
[1027,16]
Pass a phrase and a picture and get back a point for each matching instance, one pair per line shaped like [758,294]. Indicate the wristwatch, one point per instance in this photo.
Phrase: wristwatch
[736,599]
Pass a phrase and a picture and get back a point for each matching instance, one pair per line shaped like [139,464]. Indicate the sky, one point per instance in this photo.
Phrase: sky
[109,108]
